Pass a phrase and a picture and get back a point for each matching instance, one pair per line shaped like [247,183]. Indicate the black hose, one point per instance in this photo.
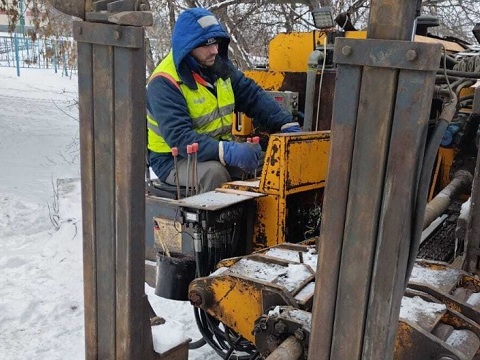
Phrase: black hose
[441,78]
[450,60]
[464,74]
[232,349]
[421,199]
[197,344]
[217,338]
[206,335]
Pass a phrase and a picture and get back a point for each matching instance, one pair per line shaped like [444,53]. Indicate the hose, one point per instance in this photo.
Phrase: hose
[464,74]
[446,117]
[464,84]
[219,340]
[197,344]
[450,60]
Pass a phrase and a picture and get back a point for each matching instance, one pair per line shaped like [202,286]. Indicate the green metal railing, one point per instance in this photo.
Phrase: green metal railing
[21,51]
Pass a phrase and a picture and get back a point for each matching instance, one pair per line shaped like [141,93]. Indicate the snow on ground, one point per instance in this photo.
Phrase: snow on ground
[41,288]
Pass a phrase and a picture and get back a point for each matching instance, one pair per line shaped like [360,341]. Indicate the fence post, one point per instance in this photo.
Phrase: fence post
[55,56]
[17,60]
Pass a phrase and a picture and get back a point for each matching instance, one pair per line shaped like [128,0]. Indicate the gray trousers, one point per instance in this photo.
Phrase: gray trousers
[211,174]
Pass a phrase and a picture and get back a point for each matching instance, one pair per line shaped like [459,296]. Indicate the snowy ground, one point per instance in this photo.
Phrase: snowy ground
[41,288]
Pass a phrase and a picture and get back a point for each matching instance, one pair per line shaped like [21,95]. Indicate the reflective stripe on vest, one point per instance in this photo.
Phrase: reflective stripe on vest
[210,115]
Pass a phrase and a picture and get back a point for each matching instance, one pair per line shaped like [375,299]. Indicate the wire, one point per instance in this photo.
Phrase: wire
[444,49]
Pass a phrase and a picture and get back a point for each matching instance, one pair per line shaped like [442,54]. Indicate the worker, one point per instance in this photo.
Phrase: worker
[191,98]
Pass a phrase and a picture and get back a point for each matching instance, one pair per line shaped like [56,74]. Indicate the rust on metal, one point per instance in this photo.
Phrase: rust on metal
[133,18]
[108,35]
[473,227]
[388,54]
[335,199]
[112,118]
[87,165]
[360,211]
[75,8]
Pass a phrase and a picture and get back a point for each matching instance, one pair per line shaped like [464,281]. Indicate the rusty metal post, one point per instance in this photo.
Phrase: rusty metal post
[111,77]
[382,102]
[472,254]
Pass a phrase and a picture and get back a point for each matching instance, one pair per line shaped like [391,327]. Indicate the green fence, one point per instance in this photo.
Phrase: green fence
[22,52]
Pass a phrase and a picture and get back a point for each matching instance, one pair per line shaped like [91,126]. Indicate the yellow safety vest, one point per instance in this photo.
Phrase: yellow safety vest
[210,115]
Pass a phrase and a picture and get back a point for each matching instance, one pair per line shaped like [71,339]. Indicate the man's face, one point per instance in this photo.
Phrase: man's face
[205,55]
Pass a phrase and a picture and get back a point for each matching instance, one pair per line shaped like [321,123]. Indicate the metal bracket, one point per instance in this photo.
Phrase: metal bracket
[387,53]
[113,6]
[122,12]
[107,34]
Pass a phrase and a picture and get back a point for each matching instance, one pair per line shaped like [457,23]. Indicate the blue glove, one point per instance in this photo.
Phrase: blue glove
[298,116]
[292,127]
[246,156]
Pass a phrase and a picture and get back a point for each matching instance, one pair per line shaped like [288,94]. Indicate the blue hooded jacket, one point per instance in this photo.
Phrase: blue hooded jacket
[168,106]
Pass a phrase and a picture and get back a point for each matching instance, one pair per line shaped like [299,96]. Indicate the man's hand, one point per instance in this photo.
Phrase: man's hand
[246,155]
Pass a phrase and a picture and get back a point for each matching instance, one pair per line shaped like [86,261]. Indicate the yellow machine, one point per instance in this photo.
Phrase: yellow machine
[282,205]
[293,187]
[266,298]
[261,300]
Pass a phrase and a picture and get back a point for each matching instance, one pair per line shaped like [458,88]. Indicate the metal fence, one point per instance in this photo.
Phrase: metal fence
[21,51]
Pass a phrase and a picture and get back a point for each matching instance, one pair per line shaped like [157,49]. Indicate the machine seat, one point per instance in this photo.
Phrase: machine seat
[159,188]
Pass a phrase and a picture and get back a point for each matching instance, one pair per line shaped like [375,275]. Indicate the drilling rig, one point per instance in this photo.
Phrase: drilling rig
[317,257]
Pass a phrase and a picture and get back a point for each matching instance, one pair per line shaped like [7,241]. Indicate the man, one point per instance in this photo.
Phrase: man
[191,98]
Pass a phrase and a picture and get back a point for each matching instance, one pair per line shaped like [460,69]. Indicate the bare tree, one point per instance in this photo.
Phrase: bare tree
[457,17]
[253,23]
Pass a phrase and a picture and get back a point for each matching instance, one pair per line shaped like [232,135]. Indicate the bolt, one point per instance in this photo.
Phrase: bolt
[411,55]
[195,298]
[299,334]
[280,327]
[117,35]
[346,50]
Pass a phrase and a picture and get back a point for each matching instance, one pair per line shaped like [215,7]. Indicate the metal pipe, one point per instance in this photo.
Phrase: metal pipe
[313,60]
[189,159]
[195,167]
[290,349]
[461,182]
[177,181]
